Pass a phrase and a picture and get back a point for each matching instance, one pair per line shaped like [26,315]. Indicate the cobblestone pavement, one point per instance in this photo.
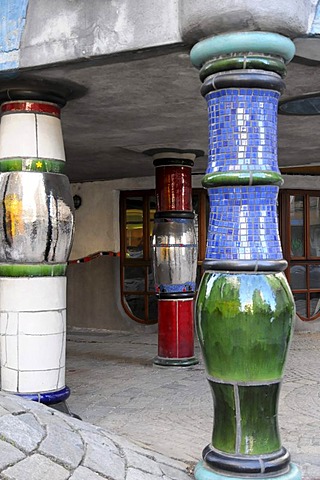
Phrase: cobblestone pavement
[151,423]
[169,410]
[38,443]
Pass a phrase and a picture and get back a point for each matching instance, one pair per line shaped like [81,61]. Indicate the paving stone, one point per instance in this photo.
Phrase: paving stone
[35,467]
[98,438]
[142,462]
[9,405]
[19,433]
[48,416]
[82,473]
[3,411]
[101,458]
[171,462]
[76,424]
[9,455]
[174,473]
[135,474]
[33,422]
[309,471]
[63,445]
[26,404]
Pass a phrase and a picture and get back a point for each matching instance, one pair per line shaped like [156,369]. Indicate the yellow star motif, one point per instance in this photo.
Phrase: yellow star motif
[39,164]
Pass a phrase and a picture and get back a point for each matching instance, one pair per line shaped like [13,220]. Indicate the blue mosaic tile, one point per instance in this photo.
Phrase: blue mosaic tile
[242,130]
[173,220]
[243,224]
[176,288]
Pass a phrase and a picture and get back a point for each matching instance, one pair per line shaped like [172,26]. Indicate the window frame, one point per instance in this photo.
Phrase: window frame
[306,260]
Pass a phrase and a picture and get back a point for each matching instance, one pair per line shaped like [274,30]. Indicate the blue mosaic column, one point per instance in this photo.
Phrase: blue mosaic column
[244,307]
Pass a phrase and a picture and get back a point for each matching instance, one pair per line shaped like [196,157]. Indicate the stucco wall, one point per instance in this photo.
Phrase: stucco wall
[47,32]
[94,287]
[301,182]
[93,299]
[97,220]
[204,18]
[72,30]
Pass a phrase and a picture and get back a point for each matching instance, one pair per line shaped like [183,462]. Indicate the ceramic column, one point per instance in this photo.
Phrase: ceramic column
[36,211]
[244,308]
[174,257]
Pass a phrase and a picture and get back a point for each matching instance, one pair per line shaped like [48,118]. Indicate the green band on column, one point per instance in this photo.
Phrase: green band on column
[32,165]
[242,42]
[239,177]
[243,62]
[32,270]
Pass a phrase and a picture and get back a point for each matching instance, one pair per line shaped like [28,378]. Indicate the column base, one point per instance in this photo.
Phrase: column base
[204,472]
[175,362]
[48,398]
[55,400]
[63,407]
[272,463]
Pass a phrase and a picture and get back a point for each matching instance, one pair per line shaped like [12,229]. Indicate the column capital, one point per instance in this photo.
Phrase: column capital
[266,43]
[161,155]
[33,88]
[204,18]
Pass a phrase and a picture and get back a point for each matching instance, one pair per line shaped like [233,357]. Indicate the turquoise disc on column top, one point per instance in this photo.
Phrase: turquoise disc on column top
[242,42]
[244,324]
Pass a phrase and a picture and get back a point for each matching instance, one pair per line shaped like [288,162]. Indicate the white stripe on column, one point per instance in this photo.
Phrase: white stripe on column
[18,135]
[49,137]
[29,294]
[33,330]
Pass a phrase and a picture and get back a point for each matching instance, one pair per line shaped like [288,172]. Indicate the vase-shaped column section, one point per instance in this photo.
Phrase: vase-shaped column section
[244,308]
[36,210]
[174,258]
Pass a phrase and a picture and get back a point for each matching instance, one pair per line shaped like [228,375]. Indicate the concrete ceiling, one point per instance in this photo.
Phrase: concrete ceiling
[151,99]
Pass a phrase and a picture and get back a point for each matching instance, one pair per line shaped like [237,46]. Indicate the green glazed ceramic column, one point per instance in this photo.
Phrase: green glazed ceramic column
[244,308]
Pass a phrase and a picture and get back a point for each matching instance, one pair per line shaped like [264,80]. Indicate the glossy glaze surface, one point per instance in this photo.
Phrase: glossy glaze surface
[173,188]
[245,418]
[32,165]
[244,324]
[174,255]
[31,107]
[175,328]
[37,217]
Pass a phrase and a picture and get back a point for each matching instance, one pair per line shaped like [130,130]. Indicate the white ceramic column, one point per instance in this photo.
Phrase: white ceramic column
[36,228]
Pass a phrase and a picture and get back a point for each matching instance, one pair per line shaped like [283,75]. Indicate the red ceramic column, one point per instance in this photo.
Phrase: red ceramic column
[174,257]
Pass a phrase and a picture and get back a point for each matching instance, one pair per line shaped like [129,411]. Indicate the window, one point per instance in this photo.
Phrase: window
[300,235]
[137,209]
